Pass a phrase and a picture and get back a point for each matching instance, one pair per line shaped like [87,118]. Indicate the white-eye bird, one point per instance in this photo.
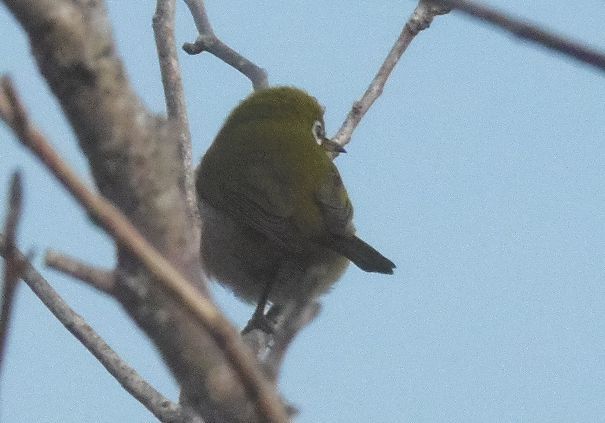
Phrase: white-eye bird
[277,220]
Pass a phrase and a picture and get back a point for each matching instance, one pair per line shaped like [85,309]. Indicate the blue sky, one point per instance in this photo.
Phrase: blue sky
[479,172]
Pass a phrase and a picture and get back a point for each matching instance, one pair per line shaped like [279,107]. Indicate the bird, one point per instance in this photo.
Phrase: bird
[277,222]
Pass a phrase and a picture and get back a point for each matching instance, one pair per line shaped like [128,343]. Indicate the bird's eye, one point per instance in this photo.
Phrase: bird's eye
[318,132]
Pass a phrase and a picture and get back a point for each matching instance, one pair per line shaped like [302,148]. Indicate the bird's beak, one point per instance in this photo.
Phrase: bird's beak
[332,146]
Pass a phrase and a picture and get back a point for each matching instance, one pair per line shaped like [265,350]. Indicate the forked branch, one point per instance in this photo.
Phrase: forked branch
[125,234]
[208,41]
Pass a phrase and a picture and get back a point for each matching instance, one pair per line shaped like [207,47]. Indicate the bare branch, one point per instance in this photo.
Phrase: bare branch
[270,348]
[420,20]
[12,265]
[131,381]
[100,279]
[291,323]
[135,164]
[208,41]
[531,32]
[163,28]
[114,222]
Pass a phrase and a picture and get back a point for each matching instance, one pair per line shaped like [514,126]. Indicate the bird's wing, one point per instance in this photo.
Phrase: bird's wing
[337,214]
[334,204]
[257,196]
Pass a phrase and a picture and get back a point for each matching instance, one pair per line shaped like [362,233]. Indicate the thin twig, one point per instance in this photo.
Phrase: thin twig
[100,279]
[131,381]
[420,20]
[174,94]
[208,41]
[12,265]
[531,32]
[125,234]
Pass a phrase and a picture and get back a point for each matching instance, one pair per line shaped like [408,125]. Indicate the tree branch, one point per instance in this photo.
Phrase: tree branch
[290,323]
[100,279]
[208,41]
[131,381]
[420,20]
[126,235]
[12,265]
[135,162]
[530,32]
[163,28]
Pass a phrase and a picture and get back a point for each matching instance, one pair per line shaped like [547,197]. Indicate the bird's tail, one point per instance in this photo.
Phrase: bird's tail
[363,255]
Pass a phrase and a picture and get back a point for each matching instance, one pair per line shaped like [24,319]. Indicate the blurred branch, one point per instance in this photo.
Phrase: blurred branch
[163,28]
[529,31]
[208,41]
[125,234]
[130,380]
[420,20]
[290,323]
[134,160]
[12,264]
[270,348]
[100,279]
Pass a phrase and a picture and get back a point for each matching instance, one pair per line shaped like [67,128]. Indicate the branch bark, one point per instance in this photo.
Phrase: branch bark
[163,28]
[131,381]
[135,162]
[100,279]
[531,32]
[208,41]
[13,264]
[420,20]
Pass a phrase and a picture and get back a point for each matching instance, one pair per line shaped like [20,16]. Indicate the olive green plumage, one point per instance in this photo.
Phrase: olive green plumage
[275,212]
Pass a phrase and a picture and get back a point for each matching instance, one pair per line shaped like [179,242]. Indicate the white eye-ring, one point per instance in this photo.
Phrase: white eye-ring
[318,132]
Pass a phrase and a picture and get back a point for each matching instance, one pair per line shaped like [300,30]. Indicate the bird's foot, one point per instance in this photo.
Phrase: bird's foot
[261,322]
[266,322]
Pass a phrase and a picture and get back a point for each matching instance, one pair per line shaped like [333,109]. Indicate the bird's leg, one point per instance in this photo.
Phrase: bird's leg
[274,313]
[259,320]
